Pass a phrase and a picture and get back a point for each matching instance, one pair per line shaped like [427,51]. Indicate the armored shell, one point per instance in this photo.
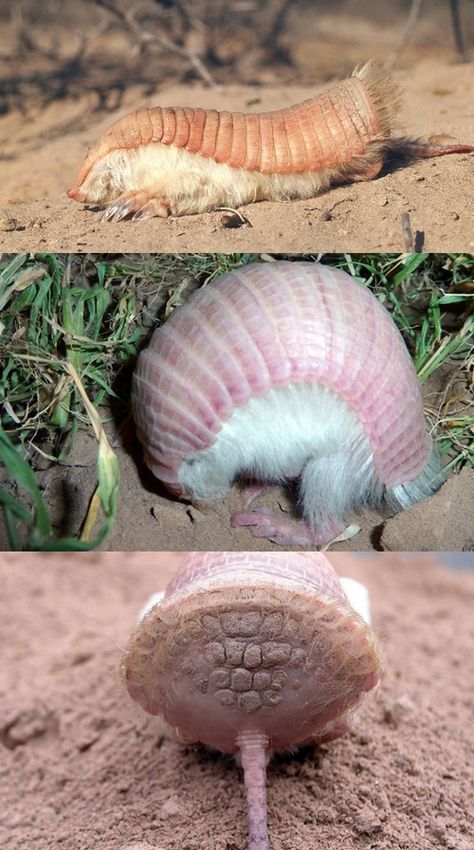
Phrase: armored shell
[259,642]
[270,326]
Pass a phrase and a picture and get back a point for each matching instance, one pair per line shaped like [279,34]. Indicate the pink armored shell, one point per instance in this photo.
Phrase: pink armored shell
[271,325]
[261,644]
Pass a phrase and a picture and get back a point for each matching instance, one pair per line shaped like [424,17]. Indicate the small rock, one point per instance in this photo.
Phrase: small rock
[383,202]
[175,517]
[367,822]
[438,831]
[27,725]
[326,215]
[454,216]
[402,709]
[171,808]
[7,224]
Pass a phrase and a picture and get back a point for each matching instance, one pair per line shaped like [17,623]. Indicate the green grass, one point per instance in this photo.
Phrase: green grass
[71,327]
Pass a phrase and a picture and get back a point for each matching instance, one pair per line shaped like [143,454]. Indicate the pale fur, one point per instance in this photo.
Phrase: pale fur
[303,431]
[191,183]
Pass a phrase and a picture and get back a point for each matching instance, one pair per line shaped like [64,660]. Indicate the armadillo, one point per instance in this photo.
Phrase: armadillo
[179,160]
[250,653]
[285,371]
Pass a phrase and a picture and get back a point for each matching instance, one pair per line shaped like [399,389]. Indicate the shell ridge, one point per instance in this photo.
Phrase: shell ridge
[241,352]
[220,397]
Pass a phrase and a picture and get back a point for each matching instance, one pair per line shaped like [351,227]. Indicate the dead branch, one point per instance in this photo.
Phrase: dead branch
[152,41]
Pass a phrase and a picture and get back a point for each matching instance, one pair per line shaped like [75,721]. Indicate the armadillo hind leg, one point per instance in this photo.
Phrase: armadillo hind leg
[253,748]
[333,485]
[283,530]
[251,492]
[138,204]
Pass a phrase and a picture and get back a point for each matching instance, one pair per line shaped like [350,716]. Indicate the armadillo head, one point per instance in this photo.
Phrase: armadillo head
[103,177]
[253,652]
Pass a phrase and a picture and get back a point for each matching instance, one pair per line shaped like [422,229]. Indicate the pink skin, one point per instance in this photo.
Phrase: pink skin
[255,490]
[253,748]
[281,530]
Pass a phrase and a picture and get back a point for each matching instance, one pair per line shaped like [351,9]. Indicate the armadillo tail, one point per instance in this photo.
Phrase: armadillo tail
[430,479]
[384,93]
[427,150]
[406,150]
[253,747]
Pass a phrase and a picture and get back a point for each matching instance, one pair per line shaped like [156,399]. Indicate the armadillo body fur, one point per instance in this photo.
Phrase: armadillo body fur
[285,371]
[250,654]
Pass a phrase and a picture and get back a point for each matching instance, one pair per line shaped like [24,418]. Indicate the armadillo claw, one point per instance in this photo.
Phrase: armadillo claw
[141,204]
[118,210]
[156,206]
[285,532]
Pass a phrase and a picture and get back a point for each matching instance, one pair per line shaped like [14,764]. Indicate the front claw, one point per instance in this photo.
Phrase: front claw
[156,206]
[286,532]
[119,208]
[140,205]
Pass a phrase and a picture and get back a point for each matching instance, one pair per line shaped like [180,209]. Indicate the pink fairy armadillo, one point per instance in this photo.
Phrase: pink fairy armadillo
[251,653]
[282,371]
[181,160]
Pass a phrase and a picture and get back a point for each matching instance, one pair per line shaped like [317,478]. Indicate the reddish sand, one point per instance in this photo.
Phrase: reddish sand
[84,769]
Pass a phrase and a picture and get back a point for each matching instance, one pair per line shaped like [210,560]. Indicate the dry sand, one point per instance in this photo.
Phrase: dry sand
[42,150]
[83,768]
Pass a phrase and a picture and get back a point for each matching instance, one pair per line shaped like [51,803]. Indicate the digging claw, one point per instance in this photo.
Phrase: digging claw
[123,211]
[147,211]
[264,523]
[109,213]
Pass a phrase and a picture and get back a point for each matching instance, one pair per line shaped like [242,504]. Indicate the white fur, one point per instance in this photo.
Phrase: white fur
[305,432]
[301,431]
[192,183]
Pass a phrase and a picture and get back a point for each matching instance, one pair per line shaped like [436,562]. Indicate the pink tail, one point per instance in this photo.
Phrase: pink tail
[426,150]
[253,747]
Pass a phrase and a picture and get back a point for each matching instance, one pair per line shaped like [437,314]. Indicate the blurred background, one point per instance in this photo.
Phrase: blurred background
[61,49]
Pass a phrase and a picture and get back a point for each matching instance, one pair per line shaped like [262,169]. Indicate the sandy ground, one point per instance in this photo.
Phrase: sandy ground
[83,768]
[42,150]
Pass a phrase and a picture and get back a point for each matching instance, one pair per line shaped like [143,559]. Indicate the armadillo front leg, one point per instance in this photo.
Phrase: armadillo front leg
[253,748]
[138,204]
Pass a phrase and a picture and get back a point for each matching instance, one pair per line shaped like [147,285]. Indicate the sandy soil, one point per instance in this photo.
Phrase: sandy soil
[83,768]
[43,149]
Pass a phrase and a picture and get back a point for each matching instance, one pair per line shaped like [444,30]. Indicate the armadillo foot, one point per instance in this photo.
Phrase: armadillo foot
[370,171]
[281,530]
[139,205]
